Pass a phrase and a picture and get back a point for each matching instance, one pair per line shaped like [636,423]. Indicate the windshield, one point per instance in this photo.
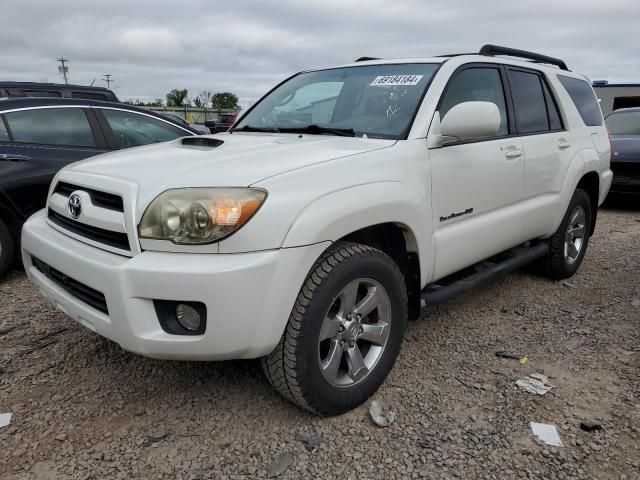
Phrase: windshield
[377,101]
[623,123]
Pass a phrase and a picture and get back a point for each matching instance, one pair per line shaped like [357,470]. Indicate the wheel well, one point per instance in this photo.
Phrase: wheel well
[12,223]
[398,243]
[590,183]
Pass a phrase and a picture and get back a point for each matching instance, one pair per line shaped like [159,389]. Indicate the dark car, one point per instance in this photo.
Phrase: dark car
[56,90]
[222,124]
[39,136]
[624,129]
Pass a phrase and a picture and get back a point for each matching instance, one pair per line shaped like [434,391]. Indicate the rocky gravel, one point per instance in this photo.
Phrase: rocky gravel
[84,408]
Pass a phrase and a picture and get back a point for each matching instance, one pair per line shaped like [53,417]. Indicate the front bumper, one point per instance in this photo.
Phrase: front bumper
[626,177]
[248,296]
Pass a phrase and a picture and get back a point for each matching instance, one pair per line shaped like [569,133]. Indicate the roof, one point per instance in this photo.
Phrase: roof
[616,85]
[42,85]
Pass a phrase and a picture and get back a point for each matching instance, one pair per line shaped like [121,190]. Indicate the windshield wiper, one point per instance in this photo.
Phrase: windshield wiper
[318,130]
[249,128]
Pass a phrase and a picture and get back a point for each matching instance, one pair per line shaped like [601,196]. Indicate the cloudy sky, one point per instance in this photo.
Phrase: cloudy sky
[245,46]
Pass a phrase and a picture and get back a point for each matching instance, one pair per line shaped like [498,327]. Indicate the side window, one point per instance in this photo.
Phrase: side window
[134,129]
[552,109]
[476,84]
[51,126]
[584,99]
[4,135]
[528,102]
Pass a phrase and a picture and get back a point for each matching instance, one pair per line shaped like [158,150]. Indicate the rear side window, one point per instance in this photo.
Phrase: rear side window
[43,93]
[4,135]
[133,129]
[584,99]
[51,126]
[529,102]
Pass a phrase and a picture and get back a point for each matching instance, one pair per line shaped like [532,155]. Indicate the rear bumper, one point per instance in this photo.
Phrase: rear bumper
[248,296]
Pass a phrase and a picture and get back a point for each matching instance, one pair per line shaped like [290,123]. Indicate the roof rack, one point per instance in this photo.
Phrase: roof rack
[364,59]
[492,50]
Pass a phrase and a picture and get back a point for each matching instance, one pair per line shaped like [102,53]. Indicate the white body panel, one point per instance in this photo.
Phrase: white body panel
[320,189]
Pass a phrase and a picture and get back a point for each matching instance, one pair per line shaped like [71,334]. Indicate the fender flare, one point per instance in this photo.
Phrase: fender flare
[574,173]
[337,214]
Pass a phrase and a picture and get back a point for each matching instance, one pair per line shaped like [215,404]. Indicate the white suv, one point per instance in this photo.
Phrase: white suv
[337,205]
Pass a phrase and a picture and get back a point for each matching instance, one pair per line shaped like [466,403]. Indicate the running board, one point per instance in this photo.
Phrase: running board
[521,256]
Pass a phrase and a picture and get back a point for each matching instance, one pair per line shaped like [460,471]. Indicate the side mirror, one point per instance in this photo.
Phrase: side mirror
[470,120]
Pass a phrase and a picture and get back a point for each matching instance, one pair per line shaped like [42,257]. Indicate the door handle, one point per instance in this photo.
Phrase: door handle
[563,143]
[513,153]
[9,157]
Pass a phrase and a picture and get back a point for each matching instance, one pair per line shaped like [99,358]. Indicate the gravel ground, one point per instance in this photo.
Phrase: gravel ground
[84,408]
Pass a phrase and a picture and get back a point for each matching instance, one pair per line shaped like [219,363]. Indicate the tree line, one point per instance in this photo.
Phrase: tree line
[180,98]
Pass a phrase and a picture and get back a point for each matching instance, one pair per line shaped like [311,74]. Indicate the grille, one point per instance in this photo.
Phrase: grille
[79,290]
[100,235]
[99,199]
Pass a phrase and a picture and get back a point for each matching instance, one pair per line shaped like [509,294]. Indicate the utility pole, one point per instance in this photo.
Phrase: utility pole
[63,69]
[107,78]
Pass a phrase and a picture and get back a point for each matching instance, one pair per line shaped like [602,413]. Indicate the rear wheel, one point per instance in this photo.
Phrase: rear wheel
[344,332]
[7,249]
[568,245]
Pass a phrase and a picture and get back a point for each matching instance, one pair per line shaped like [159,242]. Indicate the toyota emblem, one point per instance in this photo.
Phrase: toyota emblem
[75,205]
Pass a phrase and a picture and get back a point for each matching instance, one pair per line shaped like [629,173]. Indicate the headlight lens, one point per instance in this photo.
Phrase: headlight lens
[197,216]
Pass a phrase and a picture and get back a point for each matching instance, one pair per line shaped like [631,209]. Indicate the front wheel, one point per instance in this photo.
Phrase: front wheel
[344,332]
[568,245]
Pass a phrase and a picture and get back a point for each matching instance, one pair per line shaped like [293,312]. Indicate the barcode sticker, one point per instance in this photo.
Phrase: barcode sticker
[395,80]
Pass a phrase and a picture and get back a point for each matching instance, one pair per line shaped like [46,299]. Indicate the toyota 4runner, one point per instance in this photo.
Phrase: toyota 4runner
[338,204]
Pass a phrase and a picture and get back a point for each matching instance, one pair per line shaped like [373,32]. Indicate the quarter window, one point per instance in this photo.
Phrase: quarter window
[51,126]
[476,84]
[528,102]
[584,99]
[133,129]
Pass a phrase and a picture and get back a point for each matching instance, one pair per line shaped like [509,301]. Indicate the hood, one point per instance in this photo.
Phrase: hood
[226,160]
[625,148]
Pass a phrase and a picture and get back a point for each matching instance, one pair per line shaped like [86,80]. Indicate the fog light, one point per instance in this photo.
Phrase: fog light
[188,317]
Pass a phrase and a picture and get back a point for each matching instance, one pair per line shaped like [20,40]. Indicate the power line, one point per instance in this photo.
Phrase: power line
[63,69]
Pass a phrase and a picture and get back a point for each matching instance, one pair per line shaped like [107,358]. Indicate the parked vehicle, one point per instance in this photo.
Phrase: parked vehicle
[624,128]
[56,90]
[222,124]
[312,231]
[200,128]
[39,136]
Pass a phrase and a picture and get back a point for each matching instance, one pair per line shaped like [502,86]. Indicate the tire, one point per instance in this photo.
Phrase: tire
[7,249]
[563,261]
[295,368]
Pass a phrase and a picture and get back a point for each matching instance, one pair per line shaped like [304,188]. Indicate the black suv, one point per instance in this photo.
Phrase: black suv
[56,90]
[39,136]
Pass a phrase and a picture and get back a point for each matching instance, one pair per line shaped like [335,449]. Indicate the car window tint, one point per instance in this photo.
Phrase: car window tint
[584,99]
[552,108]
[528,102]
[4,135]
[623,122]
[52,126]
[44,93]
[134,129]
[476,84]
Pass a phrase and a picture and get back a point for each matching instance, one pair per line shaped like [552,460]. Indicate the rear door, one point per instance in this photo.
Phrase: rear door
[37,143]
[548,147]
[476,185]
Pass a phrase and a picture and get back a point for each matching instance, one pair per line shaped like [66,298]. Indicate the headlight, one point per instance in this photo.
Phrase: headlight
[197,216]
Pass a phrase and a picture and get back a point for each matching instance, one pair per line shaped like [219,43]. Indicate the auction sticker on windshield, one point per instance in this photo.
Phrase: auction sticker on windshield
[395,80]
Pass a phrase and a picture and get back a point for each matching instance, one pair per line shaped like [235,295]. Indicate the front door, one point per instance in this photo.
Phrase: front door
[476,185]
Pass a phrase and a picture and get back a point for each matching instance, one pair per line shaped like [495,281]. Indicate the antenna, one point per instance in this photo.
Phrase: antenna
[63,69]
